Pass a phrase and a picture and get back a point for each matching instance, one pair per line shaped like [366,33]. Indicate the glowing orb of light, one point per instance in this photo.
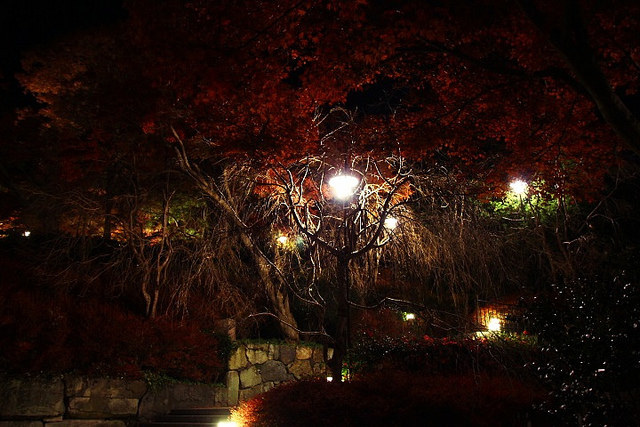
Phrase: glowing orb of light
[494,324]
[390,223]
[343,186]
[519,187]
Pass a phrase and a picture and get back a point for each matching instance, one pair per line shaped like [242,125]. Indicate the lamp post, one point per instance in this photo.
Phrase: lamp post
[343,187]
[519,188]
[346,219]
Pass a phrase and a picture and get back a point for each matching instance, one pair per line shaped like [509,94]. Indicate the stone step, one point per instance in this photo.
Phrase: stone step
[217,410]
[160,424]
[190,417]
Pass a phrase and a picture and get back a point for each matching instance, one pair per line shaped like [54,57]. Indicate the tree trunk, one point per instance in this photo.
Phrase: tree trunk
[277,297]
[343,327]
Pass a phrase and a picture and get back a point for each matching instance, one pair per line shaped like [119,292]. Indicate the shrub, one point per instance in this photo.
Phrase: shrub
[589,333]
[394,398]
[503,352]
[45,333]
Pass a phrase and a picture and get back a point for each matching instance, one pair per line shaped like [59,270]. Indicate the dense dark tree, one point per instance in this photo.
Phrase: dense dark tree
[248,93]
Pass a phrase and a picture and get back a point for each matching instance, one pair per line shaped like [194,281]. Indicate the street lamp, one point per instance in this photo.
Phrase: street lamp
[519,187]
[390,223]
[343,186]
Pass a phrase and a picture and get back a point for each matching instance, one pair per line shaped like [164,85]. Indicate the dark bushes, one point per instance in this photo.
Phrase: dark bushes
[47,333]
[589,333]
[392,398]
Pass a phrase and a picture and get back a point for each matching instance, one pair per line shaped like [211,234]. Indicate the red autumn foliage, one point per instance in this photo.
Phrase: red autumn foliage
[395,398]
[42,332]
[485,85]
[481,84]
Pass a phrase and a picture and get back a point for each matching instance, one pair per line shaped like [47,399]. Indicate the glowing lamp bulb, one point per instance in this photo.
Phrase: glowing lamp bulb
[329,379]
[410,316]
[390,223]
[518,187]
[26,233]
[282,239]
[343,186]
[494,324]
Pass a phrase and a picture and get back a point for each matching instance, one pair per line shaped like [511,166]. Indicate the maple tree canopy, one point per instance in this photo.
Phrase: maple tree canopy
[493,89]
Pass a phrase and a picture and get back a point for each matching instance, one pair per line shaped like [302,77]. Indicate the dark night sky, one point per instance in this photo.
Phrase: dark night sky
[25,24]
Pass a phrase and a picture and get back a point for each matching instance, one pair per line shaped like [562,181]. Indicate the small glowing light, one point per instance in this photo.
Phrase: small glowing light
[494,324]
[282,239]
[26,233]
[343,186]
[227,424]
[409,316]
[390,223]
[329,379]
[518,187]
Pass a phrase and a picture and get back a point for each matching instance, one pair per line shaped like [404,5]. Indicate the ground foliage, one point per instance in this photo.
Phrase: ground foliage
[589,339]
[395,397]
[47,333]
[493,353]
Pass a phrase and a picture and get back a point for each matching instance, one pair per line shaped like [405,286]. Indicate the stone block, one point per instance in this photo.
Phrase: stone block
[233,388]
[257,356]
[31,398]
[164,399]
[318,355]
[274,370]
[303,352]
[250,377]
[274,352]
[248,393]
[268,386]
[301,369]
[287,354]
[87,423]
[102,407]
[258,346]
[112,388]
[238,359]
[320,369]
[21,424]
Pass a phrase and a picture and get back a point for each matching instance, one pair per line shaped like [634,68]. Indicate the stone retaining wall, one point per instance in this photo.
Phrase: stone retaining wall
[256,368]
[75,401]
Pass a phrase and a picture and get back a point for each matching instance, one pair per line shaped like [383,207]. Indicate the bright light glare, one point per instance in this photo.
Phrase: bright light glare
[494,324]
[390,223]
[410,316]
[519,187]
[26,233]
[282,239]
[329,379]
[227,424]
[343,186]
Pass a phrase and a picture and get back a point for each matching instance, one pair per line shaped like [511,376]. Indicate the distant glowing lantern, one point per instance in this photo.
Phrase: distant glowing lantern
[329,379]
[343,186]
[409,316]
[390,223]
[282,239]
[518,187]
[26,233]
[494,324]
